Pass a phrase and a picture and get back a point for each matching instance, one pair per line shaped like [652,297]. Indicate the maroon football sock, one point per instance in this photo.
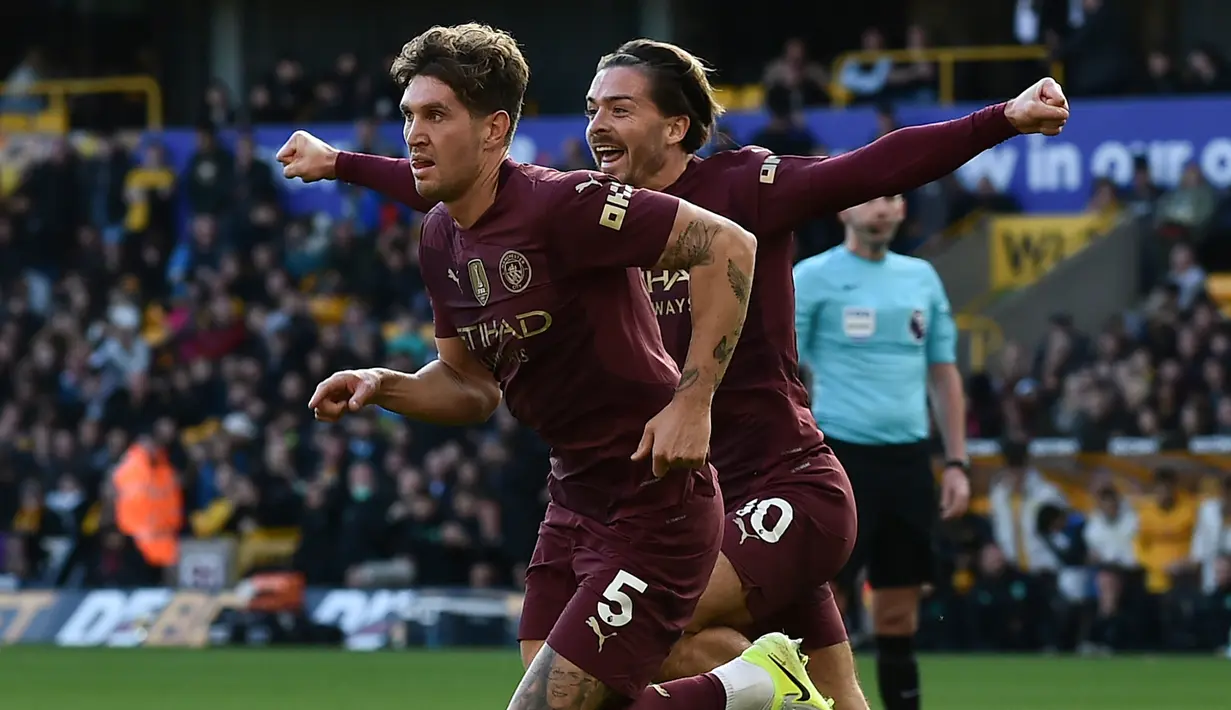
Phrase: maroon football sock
[700,692]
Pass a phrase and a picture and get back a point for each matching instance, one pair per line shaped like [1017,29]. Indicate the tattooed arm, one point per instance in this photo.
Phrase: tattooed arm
[596,223]
[719,257]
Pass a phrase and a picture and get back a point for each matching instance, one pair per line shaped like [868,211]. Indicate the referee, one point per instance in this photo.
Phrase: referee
[875,330]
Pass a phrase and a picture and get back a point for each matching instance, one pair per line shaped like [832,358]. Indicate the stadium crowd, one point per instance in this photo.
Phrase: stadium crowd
[124,347]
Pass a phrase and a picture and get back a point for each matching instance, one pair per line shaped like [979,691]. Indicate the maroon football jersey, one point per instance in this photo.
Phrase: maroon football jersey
[545,291]
[761,419]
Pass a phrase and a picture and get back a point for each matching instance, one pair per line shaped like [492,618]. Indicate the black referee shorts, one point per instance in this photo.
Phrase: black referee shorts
[895,492]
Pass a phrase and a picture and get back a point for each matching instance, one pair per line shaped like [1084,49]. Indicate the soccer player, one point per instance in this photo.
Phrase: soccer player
[790,514]
[876,333]
[537,294]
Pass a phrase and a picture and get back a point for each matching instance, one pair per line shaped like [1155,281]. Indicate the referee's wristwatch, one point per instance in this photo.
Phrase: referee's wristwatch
[963,464]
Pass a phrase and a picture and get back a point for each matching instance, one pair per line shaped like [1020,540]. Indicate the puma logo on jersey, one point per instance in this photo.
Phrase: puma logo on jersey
[581,187]
[660,690]
[598,631]
[743,531]
[453,277]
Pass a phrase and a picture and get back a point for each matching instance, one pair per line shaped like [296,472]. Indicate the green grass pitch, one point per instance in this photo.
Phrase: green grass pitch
[39,678]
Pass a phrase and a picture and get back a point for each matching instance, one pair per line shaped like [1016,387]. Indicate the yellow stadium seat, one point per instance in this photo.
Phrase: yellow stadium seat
[390,330]
[751,97]
[199,433]
[727,95]
[266,546]
[328,310]
[1219,288]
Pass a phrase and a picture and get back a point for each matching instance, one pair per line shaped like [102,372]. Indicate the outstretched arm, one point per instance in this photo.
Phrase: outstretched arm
[798,189]
[795,189]
[390,177]
[310,159]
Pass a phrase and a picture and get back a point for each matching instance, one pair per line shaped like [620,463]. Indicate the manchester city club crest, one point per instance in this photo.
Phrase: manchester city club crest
[478,281]
[918,326]
[515,271]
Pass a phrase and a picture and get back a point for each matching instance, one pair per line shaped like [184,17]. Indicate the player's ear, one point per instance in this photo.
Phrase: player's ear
[498,126]
[677,128]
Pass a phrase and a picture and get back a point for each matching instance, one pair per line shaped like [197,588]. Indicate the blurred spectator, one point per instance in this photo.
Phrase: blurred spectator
[1002,618]
[914,81]
[1186,275]
[866,81]
[1111,538]
[18,97]
[1044,22]
[1186,210]
[784,134]
[1142,194]
[261,108]
[149,191]
[328,104]
[103,175]
[1212,535]
[800,81]
[1160,74]
[354,87]
[1016,498]
[288,90]
[1097,53]
[982,200]
[254,194]
[1206,72]
[216,107]
[49,199]
[1168,518]
[208,176]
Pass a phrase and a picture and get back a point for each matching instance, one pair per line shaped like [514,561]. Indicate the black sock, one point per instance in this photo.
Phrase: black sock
[897,672]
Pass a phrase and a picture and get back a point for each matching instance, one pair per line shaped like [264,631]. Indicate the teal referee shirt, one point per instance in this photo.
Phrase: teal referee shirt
[868,330]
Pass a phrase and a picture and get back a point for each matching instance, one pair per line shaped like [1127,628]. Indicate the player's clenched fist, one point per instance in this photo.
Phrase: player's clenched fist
[308,158]
[1040,109]
[342,392]
[677,437]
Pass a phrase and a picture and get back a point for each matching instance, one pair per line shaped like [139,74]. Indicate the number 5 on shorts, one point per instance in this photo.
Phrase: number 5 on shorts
[615,593]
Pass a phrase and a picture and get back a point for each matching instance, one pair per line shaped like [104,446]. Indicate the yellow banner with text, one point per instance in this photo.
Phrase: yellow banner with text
[1025,247]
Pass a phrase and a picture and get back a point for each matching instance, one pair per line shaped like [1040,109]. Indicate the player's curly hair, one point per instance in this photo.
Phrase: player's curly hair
[679,85]
[483,65]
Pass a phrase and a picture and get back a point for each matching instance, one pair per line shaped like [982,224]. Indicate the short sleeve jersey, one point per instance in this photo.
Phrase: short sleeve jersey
[545,290]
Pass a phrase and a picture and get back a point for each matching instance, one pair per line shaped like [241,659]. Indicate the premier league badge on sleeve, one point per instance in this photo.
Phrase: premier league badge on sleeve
[918,326]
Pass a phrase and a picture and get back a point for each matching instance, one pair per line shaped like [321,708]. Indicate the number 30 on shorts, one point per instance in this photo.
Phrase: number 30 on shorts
[750,519]
[615,593]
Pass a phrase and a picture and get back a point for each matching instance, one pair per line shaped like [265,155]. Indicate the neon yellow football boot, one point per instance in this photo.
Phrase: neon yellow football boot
[782,659]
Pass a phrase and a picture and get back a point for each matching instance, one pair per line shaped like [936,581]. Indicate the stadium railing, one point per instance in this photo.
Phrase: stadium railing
[945,58]
[55,118]
[1128,463]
